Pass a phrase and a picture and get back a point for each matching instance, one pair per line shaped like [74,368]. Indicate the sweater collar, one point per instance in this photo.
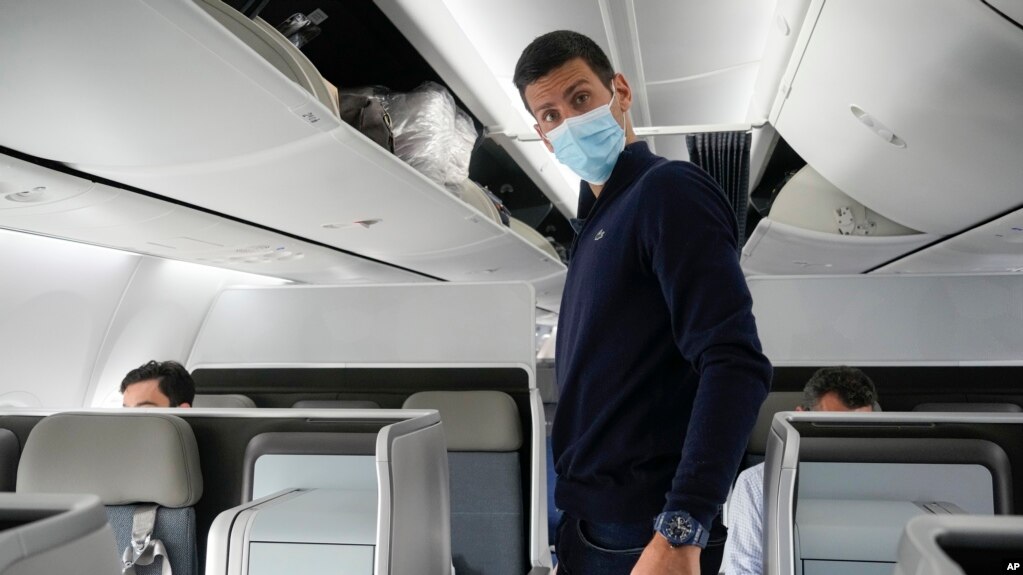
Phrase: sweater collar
[632,162]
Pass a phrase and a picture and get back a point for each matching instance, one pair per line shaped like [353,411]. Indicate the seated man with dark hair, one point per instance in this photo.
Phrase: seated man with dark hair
[158,384]
[829,389]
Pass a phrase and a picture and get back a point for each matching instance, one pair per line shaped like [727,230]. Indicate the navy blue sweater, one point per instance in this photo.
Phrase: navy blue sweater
[658,360]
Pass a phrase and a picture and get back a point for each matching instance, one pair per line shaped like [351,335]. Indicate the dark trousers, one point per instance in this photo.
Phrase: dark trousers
[590,548]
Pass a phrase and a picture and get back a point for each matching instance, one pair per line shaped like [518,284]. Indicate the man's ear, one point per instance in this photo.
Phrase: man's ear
[623,91]
[185,404]
[543,137]
[800,408]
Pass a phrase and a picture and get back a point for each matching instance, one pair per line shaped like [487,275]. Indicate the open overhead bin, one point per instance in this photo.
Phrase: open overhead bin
[168,100]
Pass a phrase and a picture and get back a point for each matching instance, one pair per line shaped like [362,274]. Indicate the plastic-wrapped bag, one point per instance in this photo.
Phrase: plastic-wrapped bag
[431,133]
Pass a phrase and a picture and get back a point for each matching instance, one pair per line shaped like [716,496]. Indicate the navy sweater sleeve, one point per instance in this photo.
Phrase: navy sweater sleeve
[690,239]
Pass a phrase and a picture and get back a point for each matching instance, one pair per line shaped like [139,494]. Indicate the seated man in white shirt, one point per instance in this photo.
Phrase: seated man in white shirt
[830,389]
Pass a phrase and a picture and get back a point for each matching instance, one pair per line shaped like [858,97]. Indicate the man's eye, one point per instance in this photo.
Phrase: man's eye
[582,98]
[549,116]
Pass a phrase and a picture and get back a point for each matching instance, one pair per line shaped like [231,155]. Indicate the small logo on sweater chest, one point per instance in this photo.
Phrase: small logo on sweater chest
[599,235]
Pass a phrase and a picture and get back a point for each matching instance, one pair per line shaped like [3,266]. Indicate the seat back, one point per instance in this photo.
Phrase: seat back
[231,400]
[41,534]
[775,402]
[9,452]
[484,433]
[130,461]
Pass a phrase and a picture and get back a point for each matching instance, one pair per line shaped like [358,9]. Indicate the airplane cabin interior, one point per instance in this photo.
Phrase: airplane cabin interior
[337,215]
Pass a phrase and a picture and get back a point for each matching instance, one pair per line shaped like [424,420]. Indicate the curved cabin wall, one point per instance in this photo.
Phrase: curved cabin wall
[75,318]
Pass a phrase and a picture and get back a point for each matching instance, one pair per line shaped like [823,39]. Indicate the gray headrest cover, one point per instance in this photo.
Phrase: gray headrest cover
[124,458]
[473,420]
[229,400]
[776,401]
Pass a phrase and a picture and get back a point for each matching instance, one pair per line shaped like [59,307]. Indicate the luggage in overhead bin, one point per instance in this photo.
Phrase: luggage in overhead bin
[363,109]
[431,133]
[482,199]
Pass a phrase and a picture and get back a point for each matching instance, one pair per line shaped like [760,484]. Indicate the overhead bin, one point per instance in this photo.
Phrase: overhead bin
[815,228]
[995,247]
[911,110]
[40,200]
[169,101]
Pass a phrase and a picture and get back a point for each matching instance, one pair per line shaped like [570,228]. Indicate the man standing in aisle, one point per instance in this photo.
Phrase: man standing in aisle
[658,360]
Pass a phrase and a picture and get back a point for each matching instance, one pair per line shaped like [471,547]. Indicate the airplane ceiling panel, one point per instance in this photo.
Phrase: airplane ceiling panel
[500,30]
[913,112]
[995,247]
[688,38]
[721,98]
[133,83]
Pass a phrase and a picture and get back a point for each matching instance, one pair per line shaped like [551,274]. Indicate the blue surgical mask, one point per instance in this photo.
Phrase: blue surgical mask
[589,144]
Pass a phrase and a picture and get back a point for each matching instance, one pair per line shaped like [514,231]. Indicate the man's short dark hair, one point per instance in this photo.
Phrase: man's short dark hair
[174,380]
[554,49]
[853,387]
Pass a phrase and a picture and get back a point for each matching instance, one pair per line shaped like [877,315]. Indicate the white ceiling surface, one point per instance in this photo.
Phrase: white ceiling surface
[995,247]
[947,80]
[700,56]
[191,113]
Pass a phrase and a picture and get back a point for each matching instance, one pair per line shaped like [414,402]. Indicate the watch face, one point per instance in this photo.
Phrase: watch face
[679,528]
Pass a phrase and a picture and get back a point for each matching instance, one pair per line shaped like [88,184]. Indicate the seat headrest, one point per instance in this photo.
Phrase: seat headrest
[776,401]
[473,420]
[336,404]
[969,407]
[222,400]
[131,457]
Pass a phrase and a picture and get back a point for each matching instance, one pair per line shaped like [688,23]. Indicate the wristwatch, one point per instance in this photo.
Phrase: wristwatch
[679,528]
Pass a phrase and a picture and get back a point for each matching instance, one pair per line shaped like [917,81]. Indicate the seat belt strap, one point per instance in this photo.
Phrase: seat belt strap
[143,549]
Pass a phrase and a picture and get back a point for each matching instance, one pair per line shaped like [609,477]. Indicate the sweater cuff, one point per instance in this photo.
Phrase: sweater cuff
[702,512]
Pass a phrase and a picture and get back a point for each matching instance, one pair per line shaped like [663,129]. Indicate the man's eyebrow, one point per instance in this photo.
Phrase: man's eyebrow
[565,94]
[573,86]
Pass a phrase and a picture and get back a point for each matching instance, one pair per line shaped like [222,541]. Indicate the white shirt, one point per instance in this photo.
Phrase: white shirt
[744,552]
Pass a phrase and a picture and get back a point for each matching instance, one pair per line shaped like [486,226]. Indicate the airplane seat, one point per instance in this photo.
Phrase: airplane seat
[775,402]
[143,466]
[307,460]
[10,449]
[42,534]
[546,382]
[960,544]
[223,400]
[969,407]
[484,434]
[335,404]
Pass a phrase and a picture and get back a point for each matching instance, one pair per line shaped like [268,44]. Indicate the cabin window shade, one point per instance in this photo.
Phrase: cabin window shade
[726,157]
